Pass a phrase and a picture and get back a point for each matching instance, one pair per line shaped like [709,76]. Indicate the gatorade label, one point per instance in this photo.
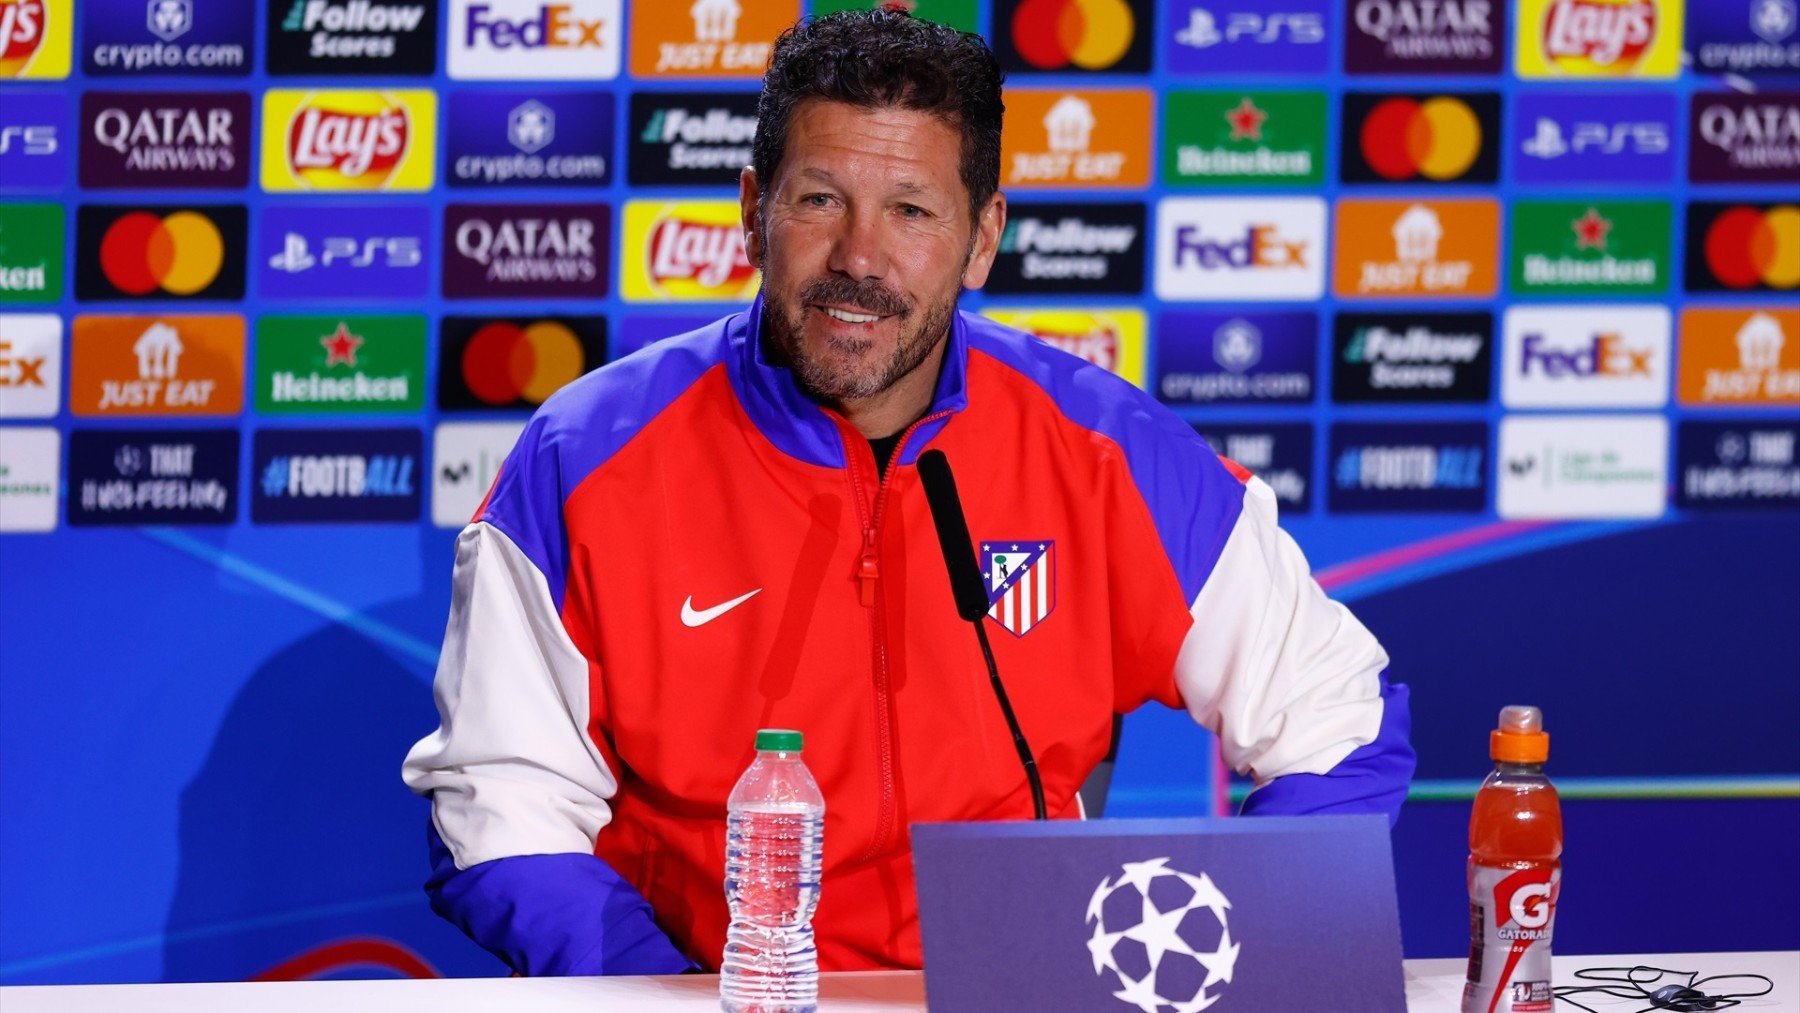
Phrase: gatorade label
[1511,914]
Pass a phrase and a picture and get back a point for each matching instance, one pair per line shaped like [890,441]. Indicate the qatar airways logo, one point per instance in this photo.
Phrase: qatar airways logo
[525,250]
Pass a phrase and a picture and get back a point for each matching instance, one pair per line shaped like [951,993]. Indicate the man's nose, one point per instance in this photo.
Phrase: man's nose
[859,248]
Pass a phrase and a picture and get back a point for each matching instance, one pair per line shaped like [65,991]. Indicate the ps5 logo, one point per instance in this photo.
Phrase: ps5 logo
[169,20]
[39,139]
[1202,31]
[1647,137]
[395,251]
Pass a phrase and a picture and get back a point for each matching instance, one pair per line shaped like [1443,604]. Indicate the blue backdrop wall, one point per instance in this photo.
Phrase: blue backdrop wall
[1521,356]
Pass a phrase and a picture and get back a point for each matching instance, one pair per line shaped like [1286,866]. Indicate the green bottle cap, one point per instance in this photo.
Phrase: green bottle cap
[778,740]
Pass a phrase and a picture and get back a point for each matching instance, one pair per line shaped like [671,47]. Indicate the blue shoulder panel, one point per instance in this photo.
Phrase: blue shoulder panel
[551,914]
[1193,499]
[1373,779]
[578,428]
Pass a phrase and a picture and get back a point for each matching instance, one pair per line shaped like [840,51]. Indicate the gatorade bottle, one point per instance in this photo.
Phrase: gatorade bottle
[1515,872]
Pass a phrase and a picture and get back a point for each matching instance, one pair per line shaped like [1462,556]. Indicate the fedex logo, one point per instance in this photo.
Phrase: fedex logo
[1608,355]
[1239,248]
[1586,357]
[1260,246]
[533,40]
[555,26]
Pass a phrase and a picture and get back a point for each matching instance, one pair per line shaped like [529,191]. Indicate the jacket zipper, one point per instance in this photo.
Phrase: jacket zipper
[868,572]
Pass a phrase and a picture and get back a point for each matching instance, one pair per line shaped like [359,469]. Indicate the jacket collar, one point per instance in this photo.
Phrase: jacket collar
[796,424]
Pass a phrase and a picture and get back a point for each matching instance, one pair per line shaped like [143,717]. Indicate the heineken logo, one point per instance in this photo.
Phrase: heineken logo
[1599,247]
[340,365]
[1230,137]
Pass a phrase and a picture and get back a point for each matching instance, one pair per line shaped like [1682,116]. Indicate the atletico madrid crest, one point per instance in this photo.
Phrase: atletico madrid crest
[1021,582]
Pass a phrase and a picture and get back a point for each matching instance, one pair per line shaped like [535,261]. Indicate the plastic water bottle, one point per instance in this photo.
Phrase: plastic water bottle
[1515,872]
[774,839]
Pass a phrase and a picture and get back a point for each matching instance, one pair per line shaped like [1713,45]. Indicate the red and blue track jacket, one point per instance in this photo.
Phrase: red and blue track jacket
[683,548]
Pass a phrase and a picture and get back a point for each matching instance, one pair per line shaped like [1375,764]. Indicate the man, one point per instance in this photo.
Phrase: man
[726,531]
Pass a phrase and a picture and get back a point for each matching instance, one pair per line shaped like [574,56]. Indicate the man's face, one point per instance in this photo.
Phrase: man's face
[864,240]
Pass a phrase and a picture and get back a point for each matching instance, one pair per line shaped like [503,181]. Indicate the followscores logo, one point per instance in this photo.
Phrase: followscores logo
[344,251]
[1233,249]
[1621,137]
[1248,37]
[156,253]
[34,141]
[569,40]
[348,140]
[1074,36]
[1586,357]
[1401,358]
[1057,248]
[352,37]
[131,37]
[701,138]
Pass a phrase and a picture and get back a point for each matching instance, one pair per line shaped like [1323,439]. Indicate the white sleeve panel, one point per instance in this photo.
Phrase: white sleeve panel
[510,770]
[1287,678]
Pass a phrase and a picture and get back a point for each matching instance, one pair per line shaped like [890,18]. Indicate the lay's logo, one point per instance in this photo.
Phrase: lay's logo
[1112,339]
[34,38]
[348,140]
[1599,38]
[686,250]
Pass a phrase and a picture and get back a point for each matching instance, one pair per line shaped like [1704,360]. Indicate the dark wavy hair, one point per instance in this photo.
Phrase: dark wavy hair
[886,58]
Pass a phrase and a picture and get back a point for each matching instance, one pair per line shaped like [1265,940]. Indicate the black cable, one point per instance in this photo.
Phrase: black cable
[1012,723]
[1683,998]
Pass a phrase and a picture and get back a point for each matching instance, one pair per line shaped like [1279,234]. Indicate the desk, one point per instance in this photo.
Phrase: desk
[1432,986]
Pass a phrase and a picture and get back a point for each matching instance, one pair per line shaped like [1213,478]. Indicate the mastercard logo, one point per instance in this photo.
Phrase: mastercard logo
[180,253]
[505,362]
[22,28]
[1088,34]
[1403,138]
[1746,246]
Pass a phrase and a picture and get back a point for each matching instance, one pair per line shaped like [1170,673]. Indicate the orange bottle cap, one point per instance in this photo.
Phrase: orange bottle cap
[1521,737]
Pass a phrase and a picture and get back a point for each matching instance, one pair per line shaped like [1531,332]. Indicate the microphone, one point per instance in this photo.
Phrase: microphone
[967,588]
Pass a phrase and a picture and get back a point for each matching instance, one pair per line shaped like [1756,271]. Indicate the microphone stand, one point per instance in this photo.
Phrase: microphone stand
[1012,723]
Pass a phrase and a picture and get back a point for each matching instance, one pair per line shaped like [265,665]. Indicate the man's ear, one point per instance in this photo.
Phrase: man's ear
[989,224]
[749,195]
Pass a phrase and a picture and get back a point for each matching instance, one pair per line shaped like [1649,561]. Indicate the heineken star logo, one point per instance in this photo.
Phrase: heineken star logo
[1246,120]
[1590,230]
[340,346]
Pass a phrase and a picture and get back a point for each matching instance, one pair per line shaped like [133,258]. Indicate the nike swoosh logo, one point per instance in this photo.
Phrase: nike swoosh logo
[691,617]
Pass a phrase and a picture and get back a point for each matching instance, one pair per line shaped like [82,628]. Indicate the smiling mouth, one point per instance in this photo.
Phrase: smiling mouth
[850,316]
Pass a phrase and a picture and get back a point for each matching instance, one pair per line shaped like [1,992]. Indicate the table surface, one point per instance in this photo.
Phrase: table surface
[1432,986]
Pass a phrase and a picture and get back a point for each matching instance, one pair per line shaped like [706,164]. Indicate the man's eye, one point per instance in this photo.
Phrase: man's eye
[913,211]
[815,200]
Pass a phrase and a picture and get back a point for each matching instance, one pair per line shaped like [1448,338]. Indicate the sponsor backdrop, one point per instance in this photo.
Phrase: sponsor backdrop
[1500,296]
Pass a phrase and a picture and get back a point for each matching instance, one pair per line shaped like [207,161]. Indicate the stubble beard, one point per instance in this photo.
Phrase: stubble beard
[843,374]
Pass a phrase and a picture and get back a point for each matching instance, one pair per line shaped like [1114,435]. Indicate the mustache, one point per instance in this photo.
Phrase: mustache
[867,294]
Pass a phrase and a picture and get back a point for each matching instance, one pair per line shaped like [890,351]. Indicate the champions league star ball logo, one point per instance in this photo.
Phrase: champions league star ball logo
[1163,934]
